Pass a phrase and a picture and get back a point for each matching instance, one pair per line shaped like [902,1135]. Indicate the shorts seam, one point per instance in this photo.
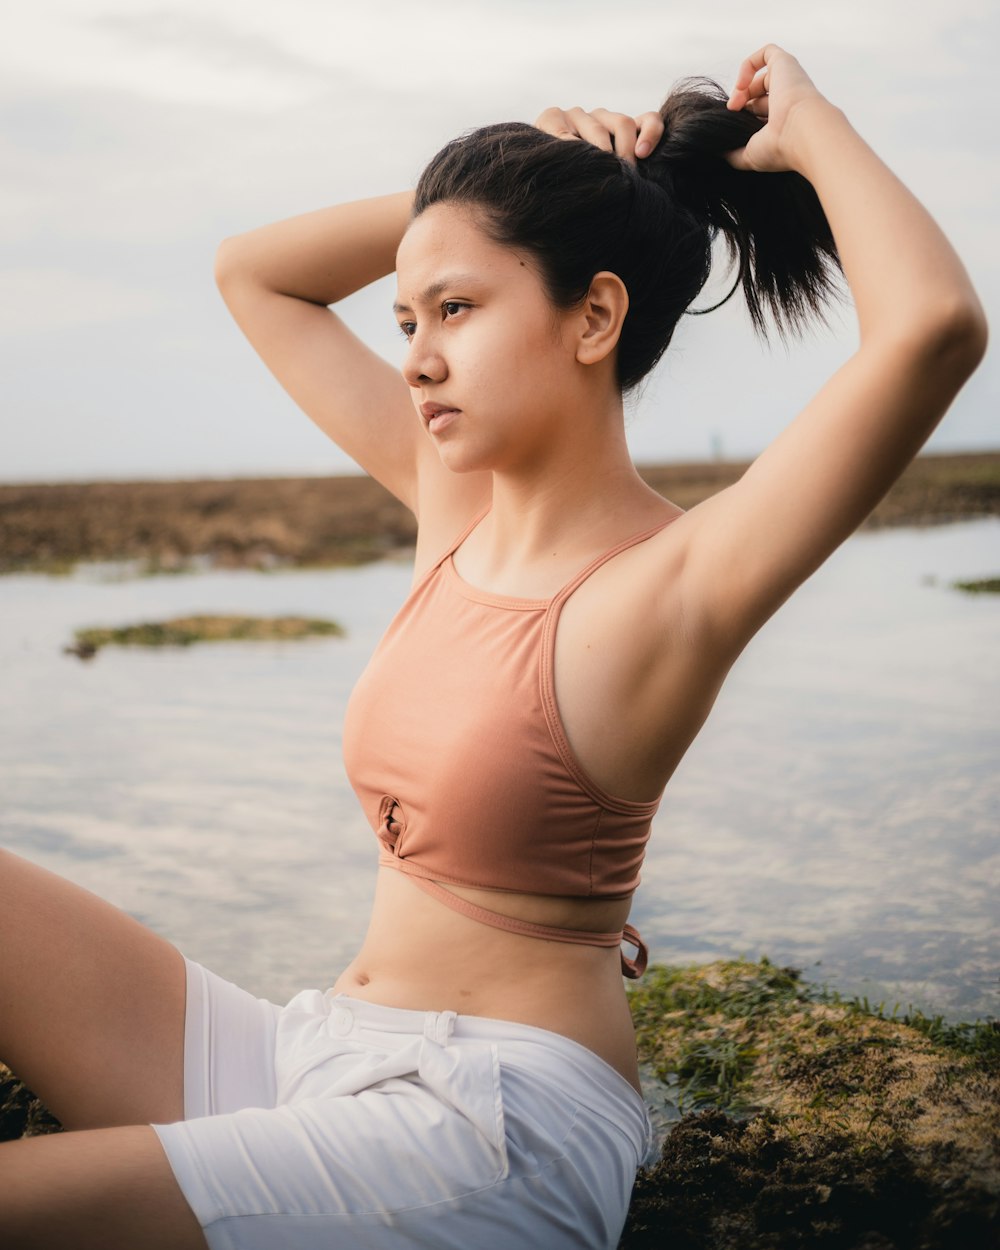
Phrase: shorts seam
[578,1105]
[383,1212]
[208,1188]
[367,1214]
[640,1151]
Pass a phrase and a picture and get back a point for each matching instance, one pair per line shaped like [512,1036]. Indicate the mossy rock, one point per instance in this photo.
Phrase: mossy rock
[813,1122]
[981,586]
[183,631]
[21,1113]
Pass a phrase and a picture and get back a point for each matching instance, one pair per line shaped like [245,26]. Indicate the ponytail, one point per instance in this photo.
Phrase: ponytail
[578,210]
[773,225]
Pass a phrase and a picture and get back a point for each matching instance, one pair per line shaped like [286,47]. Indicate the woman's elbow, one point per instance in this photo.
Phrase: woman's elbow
[960,337]
[978,336]
[947,344]
[226,261]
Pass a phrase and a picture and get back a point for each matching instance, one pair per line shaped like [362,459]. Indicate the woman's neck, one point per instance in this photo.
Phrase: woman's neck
[584,490]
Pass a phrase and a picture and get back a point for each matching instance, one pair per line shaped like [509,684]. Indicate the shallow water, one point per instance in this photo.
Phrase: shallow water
[839,812]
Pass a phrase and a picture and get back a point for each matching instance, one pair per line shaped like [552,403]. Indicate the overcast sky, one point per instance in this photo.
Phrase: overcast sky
[137,134]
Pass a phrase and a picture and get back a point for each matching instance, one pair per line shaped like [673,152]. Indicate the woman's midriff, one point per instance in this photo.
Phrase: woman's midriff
[420,955]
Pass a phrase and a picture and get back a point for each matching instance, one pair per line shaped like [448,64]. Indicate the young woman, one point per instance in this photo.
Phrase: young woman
[470,1079]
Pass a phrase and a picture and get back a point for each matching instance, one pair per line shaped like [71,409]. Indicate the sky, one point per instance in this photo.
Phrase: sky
[137,134]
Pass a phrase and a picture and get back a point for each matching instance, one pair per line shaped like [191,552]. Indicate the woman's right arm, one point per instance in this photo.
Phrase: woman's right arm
[278,282]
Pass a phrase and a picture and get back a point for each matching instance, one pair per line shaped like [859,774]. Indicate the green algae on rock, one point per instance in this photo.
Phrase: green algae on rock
[21,1113]
[981,586]
[813,1121]
[182,631]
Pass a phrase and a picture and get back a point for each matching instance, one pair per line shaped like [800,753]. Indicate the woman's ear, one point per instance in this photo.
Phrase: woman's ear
[601,317]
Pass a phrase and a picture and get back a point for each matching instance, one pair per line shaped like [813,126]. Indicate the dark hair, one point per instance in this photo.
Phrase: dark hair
[578,209]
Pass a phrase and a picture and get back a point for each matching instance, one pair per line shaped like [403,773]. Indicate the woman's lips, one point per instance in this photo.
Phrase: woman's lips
[438,417]
[442,419]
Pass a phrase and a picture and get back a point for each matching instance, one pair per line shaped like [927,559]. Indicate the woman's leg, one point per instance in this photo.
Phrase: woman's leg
[109,1189]
[91,1006]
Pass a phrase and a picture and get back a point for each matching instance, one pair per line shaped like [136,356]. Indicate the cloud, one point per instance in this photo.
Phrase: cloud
[181,55]
[44,300]
[135,136]
[191,57]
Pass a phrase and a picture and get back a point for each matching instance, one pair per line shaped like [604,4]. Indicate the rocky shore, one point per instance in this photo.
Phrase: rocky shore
[274,522]
[811,1122]
[807,1122]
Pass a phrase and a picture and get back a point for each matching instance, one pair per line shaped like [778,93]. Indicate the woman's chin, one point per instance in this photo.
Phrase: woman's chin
[463,459]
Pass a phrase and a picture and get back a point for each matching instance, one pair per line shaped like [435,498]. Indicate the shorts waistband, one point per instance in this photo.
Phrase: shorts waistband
[567,1065]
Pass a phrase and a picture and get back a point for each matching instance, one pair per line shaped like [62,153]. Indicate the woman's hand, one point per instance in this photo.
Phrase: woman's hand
[631,138]
[773,85]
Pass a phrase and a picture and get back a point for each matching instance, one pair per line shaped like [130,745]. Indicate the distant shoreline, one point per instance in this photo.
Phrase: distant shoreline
[315,521]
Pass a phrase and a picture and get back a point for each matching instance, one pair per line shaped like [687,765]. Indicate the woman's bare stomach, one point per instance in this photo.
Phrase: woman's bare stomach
[420,955]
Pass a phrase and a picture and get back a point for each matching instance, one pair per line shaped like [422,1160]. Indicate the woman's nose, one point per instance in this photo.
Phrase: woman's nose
[423,363]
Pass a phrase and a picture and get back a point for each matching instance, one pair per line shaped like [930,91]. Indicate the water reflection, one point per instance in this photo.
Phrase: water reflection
[839,811]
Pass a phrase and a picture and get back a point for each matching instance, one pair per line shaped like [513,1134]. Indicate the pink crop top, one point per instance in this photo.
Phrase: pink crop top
[454,745]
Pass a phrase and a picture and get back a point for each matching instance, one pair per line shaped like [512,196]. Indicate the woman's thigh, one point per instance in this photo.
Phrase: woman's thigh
[91,1003]
[110,1189]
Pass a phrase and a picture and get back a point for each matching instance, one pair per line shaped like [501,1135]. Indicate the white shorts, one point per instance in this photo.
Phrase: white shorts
[336,1123]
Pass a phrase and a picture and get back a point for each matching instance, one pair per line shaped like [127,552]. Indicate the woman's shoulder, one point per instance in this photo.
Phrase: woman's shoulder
[446,511]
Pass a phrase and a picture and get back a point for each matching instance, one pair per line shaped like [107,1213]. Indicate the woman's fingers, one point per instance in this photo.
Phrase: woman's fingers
[622,130]
[628,137]
[591,129]
[754,76]
[554,122]
[574,123]
[770,72]
[756,89]
[650,133]
[750,77]
[759,107]
[770,83]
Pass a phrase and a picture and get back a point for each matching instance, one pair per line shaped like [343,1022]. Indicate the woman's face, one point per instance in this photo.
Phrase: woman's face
[490,360]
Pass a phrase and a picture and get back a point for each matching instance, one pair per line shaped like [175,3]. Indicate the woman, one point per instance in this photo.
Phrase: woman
[470,1080]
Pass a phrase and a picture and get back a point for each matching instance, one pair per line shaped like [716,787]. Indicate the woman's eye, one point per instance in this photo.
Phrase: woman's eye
[450,308]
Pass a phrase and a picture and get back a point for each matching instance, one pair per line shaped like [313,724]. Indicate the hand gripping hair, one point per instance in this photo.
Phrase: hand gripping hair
[578,209]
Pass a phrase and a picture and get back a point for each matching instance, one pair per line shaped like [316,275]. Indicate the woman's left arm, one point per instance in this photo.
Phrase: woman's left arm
[922,333]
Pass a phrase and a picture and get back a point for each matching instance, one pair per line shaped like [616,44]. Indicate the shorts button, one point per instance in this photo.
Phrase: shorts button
[341,1020]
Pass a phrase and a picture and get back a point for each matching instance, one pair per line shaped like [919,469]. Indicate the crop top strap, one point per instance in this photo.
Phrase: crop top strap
[452,547]
[631,968]
[560,598]
[546,674]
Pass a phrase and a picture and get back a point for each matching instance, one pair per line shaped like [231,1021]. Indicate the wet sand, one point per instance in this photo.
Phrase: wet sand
[271,522]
